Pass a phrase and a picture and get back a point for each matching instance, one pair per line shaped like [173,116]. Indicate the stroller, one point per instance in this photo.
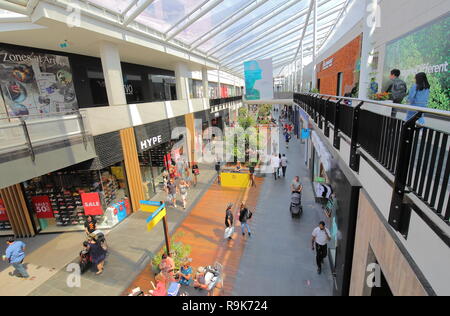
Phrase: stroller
[85,259]
[296,204]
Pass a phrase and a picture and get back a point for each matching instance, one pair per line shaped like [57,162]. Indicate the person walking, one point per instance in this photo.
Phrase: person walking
[244,216]
[284,164]
[15,254]
[275,163]
[419,95]
[251,169]
[287,138]
[229,219]
[397,87]
[296,186]
[97,252]
[320,238]
[183,189]
[218,167]
[172,193]
[195,173]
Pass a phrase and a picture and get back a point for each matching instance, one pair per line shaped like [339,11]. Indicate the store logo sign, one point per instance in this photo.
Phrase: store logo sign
[149,143]
[327,64]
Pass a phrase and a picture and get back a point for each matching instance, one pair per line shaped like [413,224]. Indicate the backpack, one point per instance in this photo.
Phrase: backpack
[250,214]
[399,90]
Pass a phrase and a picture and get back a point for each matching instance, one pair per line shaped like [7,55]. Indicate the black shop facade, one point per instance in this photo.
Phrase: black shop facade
[159,145]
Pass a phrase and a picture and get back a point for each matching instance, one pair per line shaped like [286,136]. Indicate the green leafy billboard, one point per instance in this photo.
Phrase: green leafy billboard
[424,50]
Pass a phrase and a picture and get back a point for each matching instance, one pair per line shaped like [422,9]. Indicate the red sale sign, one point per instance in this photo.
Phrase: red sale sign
[42,206]
[3,214]
[91,203]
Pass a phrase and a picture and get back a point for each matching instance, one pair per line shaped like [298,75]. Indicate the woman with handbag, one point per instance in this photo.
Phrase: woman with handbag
[229,222]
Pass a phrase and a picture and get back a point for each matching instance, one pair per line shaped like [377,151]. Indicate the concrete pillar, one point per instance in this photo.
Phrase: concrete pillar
[219,84]
[370,23]
[205,83]
[112,71]
[182,81]
[301,69]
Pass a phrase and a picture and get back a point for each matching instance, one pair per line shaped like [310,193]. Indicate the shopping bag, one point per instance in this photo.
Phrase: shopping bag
[229,231]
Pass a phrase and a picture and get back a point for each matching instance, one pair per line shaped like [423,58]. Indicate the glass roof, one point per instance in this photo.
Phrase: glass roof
[163,14]
[229,31]
[118,6]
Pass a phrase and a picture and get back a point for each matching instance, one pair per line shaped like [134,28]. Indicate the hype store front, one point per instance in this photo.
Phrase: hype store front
[61,201]
[158,151]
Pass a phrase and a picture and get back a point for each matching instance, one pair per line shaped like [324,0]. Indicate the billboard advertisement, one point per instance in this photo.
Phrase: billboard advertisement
[36,83]
[424,50]
[258,79]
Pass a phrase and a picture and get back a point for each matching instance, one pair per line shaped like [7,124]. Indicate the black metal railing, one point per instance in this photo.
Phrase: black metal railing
[215,102]
[417,156]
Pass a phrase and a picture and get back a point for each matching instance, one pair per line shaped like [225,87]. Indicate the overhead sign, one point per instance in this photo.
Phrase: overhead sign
[42,206]
[258,79]
[92,204]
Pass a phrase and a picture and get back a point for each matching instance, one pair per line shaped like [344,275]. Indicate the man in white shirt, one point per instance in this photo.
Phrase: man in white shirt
[275,165]
[320,238]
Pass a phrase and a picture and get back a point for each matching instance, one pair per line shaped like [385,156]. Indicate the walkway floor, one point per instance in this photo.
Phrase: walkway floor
[279,260]
[131,248]
[203,230]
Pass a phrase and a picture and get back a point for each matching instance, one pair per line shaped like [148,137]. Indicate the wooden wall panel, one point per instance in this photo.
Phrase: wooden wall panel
[190,125]
[132,167]
[402,274]
[17,211]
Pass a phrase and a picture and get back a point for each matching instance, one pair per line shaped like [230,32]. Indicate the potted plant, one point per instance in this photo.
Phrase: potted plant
[180,252]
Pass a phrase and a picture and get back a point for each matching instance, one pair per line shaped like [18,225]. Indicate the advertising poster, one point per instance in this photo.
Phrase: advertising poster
[42,206]
[91,204]
[258,79]
[3,214]
[424,50]
[36,83]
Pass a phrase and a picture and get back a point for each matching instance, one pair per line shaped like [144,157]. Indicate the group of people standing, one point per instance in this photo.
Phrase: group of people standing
[178,179]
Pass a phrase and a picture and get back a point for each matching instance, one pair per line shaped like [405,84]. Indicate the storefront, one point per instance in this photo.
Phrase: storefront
[339,73]
[157,151]
[61,200]
[337,189]
[36,81]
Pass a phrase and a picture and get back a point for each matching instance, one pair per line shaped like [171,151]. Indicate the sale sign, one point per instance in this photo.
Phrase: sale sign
[91,203]
[42,206]
[3,214]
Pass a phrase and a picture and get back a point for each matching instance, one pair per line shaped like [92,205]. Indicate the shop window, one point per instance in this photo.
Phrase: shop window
[163,88]
[133,86]
[61,200]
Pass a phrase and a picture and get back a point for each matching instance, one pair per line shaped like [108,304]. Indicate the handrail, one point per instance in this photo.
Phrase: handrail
[388,104]
[43,115]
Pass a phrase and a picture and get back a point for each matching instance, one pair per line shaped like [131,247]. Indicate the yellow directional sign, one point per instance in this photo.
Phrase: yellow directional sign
[155,220]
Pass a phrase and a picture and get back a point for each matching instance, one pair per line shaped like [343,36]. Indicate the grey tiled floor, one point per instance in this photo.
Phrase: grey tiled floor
[131,248]
[278,259]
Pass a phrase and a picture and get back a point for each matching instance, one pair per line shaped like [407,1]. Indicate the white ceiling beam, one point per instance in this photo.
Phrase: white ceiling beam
[242,33]
[237,16]
[192,18]
[129,7]
[311,8]
[9,6]
[144,5]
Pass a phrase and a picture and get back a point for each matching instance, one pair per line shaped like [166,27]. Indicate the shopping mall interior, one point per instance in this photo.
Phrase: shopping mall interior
[227,148]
